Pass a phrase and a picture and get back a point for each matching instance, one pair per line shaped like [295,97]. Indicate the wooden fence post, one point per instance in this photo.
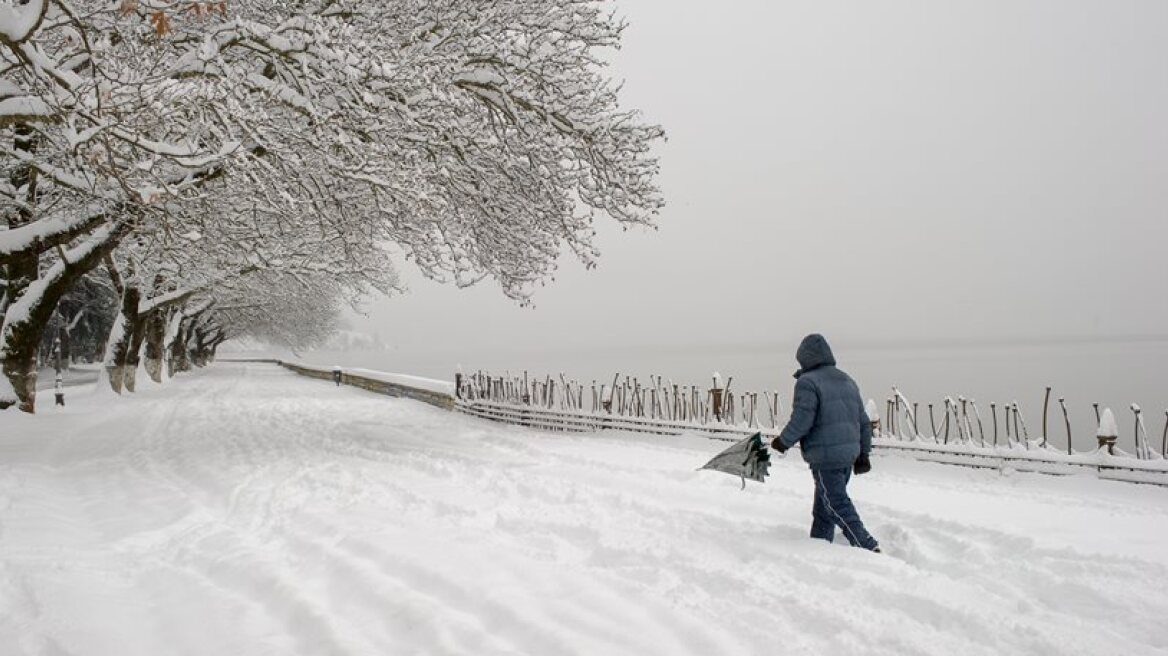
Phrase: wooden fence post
[1067,421]
[1045,403]
[1139,448]
[1164,439]
[1108,432]
[994,412]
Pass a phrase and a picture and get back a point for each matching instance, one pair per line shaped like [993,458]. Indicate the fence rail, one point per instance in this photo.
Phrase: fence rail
[435,393]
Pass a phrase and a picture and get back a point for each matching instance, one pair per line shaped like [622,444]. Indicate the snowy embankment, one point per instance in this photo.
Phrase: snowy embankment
[245,510]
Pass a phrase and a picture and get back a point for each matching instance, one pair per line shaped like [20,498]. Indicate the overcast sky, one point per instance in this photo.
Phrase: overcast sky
[880,172]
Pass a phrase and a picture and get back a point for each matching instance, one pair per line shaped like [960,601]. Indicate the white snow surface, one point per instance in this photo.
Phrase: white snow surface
[245,510]
[18,21]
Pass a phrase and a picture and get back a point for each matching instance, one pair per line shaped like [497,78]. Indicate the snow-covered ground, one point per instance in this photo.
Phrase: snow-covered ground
[245,510]
[78,374]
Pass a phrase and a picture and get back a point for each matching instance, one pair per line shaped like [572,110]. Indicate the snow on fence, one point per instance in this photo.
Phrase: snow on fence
[718,412]
[435,392]
[660,406]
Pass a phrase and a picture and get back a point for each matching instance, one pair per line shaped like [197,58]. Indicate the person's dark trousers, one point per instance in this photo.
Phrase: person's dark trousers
[834,508]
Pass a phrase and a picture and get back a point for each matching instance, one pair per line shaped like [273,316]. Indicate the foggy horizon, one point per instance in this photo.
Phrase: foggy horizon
[908,177]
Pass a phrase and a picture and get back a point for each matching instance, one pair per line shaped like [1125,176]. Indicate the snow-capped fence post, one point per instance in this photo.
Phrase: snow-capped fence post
[1108,431]
[728,407]
[1136,427]
[1023,435]
[980,426]
[716,397]
[873,417]
[956,412]
[946,426]
[1067,421]
[912,416]
[1143,451]
[1164,439]
[337,375]
[458,384]
[965,420]
[1045,404]
[994,412]
[961,418]
[933,422]
[898,406]
[662,409]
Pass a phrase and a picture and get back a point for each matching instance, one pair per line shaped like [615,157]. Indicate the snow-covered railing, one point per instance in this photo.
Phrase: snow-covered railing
[427,390]
[719,413]
[657,408]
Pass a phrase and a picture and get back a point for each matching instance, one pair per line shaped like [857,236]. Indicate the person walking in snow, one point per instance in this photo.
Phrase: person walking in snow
[829,423]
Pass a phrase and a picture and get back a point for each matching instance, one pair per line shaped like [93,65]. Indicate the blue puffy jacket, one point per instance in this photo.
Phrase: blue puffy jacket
[828,415]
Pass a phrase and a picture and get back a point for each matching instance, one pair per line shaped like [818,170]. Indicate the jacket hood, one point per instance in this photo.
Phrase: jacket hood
[813,353]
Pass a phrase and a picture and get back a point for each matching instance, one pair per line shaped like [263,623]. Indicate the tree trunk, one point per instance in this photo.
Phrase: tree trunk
[179,354]
[27,317]
[118,349]
[215,348]
[173,334]
[20,338]
[20,342]
[134,355]
[66,348]
[155,343]
[206,342]
[199,352]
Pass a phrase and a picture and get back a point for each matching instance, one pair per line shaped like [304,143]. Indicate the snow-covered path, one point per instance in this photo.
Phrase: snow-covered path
[244,510]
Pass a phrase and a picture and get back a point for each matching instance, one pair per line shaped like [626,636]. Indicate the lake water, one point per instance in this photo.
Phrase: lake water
[1112,373]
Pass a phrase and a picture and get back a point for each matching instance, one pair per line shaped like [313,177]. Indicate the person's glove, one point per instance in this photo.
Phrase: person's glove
[863,465]
[778,445]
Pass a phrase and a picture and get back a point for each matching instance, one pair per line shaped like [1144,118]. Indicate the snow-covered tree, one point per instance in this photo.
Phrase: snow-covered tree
[478,138]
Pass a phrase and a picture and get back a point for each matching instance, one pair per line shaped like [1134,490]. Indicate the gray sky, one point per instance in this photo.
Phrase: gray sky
[885,173]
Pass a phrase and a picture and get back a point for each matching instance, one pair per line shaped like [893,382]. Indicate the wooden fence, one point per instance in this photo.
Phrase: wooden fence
[718,413]
[662,407]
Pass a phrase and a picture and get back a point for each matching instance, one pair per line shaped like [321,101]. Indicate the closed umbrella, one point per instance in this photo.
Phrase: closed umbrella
[745,459]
